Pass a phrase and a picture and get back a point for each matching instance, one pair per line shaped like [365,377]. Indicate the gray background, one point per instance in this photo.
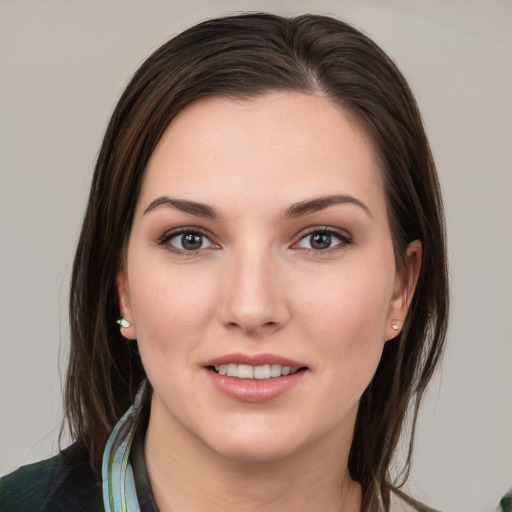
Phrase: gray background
[63,65]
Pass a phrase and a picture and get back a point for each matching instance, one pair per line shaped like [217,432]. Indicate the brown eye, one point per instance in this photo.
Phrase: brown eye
[189,241]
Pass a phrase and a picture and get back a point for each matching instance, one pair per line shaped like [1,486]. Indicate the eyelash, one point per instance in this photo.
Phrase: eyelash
[169,235]
[344,239]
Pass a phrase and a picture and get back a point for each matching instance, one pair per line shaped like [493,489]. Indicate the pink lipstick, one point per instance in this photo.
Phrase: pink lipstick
[254,378]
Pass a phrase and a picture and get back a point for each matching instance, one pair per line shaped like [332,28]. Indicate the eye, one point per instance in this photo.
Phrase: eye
[324,239]
[186,241]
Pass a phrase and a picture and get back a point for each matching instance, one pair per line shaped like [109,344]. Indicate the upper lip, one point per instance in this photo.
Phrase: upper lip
[253,360]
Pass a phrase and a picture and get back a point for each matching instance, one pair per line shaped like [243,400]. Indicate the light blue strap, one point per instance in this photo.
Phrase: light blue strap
[119,494]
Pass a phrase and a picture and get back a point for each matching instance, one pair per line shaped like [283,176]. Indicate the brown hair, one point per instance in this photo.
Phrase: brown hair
[245,56]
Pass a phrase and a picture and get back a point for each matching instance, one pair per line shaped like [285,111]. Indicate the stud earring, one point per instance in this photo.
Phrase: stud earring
[395,325]
[123,323]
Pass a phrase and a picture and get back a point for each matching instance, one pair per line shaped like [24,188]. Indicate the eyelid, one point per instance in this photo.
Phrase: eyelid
[184,230]
[345,238]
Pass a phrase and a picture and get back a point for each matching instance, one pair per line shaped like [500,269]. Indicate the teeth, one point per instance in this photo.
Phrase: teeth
[246,371]
[275,370]
[262,372]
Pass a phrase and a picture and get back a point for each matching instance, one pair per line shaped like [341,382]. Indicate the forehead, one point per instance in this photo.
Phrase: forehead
[283,144]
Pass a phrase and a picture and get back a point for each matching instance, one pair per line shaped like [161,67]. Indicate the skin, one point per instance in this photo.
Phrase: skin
[257,285]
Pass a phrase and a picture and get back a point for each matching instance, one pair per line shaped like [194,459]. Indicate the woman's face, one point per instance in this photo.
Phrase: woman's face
[260,276]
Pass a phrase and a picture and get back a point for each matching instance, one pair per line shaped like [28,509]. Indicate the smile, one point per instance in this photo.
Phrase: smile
[254,378]
[261,372]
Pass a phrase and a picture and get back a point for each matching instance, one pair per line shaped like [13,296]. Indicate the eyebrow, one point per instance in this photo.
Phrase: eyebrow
[320,203]
[199,209]
[295,210]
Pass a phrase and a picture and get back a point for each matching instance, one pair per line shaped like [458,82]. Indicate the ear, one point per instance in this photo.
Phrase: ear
[404,290]
[124,305]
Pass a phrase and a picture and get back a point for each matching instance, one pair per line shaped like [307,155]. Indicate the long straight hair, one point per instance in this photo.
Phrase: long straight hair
[246,56]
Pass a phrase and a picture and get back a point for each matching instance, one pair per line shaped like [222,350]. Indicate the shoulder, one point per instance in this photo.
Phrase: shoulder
[506,502]
[400,502]
[62,483]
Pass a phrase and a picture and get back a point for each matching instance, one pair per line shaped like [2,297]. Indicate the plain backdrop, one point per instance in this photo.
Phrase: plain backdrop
[63,65]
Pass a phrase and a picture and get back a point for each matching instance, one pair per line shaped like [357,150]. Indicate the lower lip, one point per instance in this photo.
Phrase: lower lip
[254,390]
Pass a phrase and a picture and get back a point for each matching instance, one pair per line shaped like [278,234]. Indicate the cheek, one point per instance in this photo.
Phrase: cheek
[351,301]
[346,318]
[170,312]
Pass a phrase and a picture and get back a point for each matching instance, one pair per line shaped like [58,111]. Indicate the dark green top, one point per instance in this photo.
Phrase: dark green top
[67,483]
[63,483]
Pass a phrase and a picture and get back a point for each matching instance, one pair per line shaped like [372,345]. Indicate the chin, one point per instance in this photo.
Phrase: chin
[249,440]
[259,443]
[255,452]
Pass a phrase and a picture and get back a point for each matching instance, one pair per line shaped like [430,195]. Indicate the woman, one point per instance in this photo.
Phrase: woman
[265,225]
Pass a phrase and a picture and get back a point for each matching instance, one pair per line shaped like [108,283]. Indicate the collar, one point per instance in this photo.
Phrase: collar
[125,482]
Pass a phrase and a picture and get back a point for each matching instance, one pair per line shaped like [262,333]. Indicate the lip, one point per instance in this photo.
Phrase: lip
[254,390]
[254,360]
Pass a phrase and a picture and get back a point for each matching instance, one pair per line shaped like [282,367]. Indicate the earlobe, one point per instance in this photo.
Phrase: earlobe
[405,285]
[126,322]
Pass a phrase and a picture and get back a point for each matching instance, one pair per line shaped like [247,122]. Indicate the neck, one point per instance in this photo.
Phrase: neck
[186,475]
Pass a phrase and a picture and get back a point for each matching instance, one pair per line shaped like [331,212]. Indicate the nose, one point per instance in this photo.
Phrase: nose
[254,294]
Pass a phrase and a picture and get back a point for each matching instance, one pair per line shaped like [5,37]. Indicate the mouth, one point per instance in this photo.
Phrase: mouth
[254,378]
[251,372]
